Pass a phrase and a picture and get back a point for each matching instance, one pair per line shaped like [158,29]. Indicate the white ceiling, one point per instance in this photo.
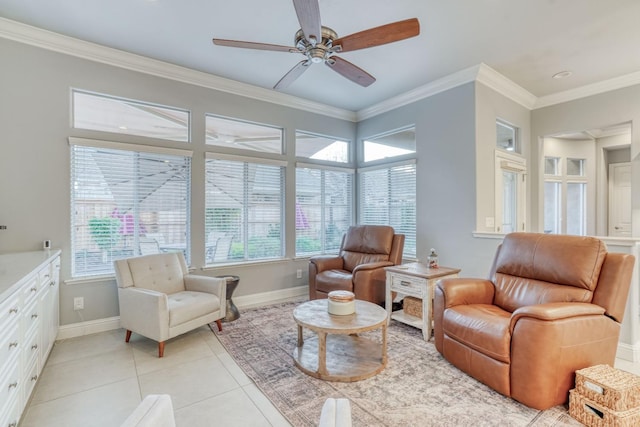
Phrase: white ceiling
[528,41]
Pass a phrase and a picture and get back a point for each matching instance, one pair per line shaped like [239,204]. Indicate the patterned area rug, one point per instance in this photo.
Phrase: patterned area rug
[417,388]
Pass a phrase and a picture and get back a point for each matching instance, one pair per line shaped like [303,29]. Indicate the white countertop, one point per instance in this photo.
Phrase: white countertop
[16,266]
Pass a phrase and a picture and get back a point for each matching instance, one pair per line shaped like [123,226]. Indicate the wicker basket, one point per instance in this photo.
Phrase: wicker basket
[412,306]
[592,414]
[612,388]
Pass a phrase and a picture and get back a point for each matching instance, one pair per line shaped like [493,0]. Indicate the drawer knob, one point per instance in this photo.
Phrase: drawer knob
[13,344]
[35,346]
[13,385]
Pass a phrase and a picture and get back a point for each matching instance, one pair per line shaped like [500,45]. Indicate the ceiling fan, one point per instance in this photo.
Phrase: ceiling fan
[320,44]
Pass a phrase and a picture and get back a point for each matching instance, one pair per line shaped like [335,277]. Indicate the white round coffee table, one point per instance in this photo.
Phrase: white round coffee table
[338,353]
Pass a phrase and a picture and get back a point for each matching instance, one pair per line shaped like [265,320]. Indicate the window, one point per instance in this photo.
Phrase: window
[507,137]
[223,132]
[565,196]
[388,197]
[243,209]
[397,143]
[511,171]
[323,208]
[123,116]
[126,200]
[324,148]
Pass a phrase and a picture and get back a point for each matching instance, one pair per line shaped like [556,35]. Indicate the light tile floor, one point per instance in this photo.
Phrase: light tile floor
[98,380]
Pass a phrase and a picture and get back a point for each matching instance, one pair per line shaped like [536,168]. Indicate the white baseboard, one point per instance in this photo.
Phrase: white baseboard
[89,327]
[628,352]
[246,301]
[256,300]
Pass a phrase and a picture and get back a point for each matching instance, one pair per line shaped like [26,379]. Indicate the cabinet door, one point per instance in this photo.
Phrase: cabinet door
[50,311]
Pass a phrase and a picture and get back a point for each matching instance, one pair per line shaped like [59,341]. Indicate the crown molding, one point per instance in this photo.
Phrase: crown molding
[432,88]
[482,73]
[49,40]
[496,81]
[589,90]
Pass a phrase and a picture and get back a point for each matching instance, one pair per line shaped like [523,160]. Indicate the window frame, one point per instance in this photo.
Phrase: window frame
[249,151]
[246,160]
[510,162]
[389,166]
[129,148]
[351,205]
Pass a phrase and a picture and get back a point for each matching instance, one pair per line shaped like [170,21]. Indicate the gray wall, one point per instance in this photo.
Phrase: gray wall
[446,176]
[35,93]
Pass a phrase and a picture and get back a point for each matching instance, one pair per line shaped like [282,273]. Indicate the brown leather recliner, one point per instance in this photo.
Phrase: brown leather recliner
[359,266]
[553,304]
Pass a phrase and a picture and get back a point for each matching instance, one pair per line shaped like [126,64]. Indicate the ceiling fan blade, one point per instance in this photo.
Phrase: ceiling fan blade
[252,45]
[293,74]
[308,12]
[350,71]
[384,34]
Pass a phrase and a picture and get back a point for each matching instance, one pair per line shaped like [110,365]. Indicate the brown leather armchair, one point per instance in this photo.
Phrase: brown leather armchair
[359,266]
[553,304]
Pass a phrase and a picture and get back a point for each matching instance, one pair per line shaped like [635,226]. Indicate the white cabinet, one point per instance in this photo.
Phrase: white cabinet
[418,281]
[29,307]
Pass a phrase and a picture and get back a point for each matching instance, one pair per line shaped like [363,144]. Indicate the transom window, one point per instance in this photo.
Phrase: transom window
[117,115]
[507,137]
[223,132]
[318,147]
[393,144]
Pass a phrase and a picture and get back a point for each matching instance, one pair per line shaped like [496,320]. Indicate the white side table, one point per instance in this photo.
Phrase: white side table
[416,280]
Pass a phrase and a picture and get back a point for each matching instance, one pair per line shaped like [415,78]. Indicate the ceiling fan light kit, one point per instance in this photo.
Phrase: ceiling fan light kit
[319,44]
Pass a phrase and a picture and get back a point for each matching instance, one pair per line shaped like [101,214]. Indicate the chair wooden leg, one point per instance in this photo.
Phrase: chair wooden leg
[128,336]
[160,349]
[219,323]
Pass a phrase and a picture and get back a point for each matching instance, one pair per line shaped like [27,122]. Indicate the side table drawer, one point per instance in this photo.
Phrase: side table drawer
[408,285]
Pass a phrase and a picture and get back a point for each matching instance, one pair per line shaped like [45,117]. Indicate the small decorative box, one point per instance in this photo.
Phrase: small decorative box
[341,303]
[593,414]
[610,387]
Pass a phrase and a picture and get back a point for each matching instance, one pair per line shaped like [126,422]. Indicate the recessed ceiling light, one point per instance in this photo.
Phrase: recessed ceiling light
[562,74]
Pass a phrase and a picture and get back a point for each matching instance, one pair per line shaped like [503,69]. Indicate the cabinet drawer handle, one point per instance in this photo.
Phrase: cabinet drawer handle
[13,344]
[34,316]
[34,289]
[52,283]
[35,346]
[405,283]
[13,310]
[13,424]
[47,275]
[13,385]
[34,378]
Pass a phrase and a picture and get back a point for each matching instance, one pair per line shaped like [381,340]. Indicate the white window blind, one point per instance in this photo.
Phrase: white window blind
[243,210]
[388,197]
[126,203]
[324,209]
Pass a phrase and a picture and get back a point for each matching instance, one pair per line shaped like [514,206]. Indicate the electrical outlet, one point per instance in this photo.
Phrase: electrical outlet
[299,274]
[78,303]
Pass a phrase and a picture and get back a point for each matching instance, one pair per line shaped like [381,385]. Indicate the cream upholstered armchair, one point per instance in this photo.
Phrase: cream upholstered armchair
[159,299]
